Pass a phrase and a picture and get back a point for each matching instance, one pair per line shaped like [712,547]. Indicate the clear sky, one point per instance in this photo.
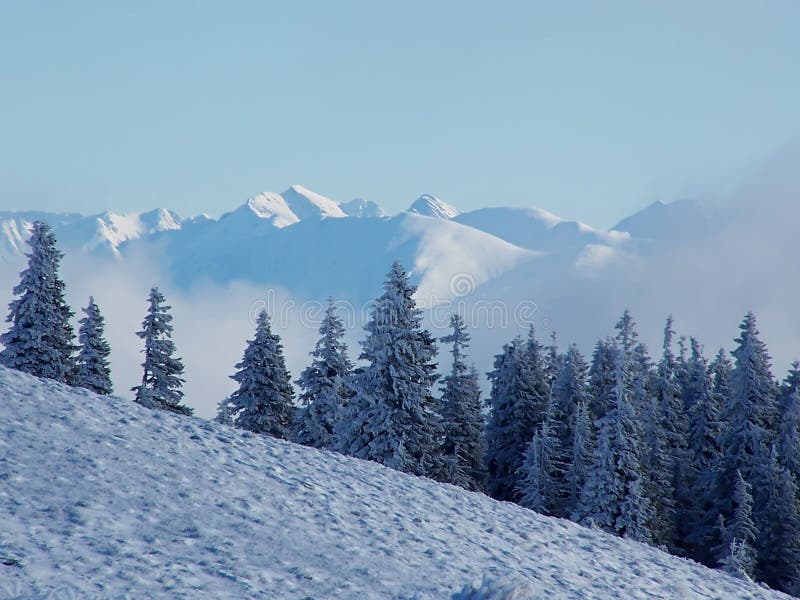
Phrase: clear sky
[588,109]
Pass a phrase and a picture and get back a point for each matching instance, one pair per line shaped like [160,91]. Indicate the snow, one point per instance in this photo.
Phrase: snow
[100,497]
[538,229]
[308,205]
[272,207]
[429,206]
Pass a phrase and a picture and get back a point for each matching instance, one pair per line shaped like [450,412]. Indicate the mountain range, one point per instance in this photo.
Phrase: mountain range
[504,269]
[309,244]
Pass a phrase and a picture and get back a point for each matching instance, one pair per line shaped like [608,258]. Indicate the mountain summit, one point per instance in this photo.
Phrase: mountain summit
[430,206]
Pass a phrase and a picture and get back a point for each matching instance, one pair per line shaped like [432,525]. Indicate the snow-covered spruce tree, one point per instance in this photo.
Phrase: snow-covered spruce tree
[703,455]
[518,403]
[92,369]
[535,361]
[665,445]
[461,415]
[40,340]
[553,360]
[538,485]
[326,385]
[161,380]
[393,418]
[569,393]
[737,534]
[613,498]
[264,401]
[601,378]
[778,543]
[582,450]
[745,435]
[788,440]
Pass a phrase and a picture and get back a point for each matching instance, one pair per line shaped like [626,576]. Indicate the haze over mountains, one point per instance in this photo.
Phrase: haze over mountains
[503,268]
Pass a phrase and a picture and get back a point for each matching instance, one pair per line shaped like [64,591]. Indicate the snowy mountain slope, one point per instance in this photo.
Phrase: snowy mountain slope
[538,229]
[100,497]
[429,206]
[668,223]
[103,233]
[343,257]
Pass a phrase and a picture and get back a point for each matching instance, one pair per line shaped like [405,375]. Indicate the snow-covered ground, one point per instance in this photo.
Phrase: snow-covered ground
[100,498]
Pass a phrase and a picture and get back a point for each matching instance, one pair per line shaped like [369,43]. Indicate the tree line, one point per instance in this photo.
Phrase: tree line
[698,457]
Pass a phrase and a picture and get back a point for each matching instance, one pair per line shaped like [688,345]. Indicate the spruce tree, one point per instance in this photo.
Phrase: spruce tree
[788,439]
[703,455]
[40,340]
[92,370]
[779,530]
[737,533]
[745,436]
[161,380]
[326,385]
[569,394]
[393,419]
[461,415]
[613,498]
[665,443]
[264,401]
[601,377]
[582,449]
[518,403]
[538,486]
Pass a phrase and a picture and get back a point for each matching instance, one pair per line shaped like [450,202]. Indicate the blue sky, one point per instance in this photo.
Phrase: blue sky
[588,109]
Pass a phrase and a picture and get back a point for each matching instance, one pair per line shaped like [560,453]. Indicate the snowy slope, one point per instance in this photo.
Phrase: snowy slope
[538,229]
[346,258]
[103,233]
[100,498]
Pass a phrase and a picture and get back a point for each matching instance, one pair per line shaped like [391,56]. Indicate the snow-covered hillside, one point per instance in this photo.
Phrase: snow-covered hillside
[100,498]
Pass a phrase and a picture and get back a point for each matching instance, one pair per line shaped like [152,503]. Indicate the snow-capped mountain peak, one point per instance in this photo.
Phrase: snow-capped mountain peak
[430,206]
[307,204]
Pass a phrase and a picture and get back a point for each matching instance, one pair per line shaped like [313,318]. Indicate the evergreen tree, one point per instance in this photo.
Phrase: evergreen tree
[461,415]
[582,450]
[601,378]
[538,487]
[518,404]
[161,380]
[40,340]
[744,438]
[738,532]
[703,455]
[92,370]
[569,395]
[665,440]
[326,384]
[779,531]
[226,412]
[535,362]
[393,419]
[720,371]
[612,498]
[264,401]
[789,423]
